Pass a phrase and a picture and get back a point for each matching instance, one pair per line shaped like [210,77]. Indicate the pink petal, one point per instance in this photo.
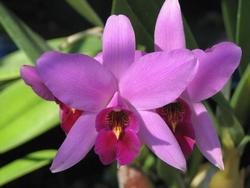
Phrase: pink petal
[158,78]
[98,57]
[105,146]
[205,135]
[128,147]
[216,65]
[31,78]
[139,54]
[118,44]
[169,32]
[77,144]
[77,80]
[160,139]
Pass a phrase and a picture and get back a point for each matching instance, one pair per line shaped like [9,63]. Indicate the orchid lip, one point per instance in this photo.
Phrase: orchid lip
[177,116]
[117,136]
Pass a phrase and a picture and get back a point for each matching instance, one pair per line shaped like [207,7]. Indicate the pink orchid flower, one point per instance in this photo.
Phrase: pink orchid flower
[117,93]
[187,117]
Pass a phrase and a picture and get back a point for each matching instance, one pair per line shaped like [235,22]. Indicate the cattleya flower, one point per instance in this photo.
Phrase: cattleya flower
[187,117]
[117,93]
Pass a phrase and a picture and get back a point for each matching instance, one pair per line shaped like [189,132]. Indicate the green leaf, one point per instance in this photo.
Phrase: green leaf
[240,100]
[31,43]
[243,144]
[85,10]
[229,12]
[242,32]
[23,116]
[142,15]
[194,162]
[25,165]
[10,64]
[171,176]
[227,119]
[90,45]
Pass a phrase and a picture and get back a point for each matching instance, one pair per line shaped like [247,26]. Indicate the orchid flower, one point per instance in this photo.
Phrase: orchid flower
[117,91]
[187,117]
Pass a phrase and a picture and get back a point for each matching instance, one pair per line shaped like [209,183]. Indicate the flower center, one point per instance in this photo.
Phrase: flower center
[117,120]
[174,114]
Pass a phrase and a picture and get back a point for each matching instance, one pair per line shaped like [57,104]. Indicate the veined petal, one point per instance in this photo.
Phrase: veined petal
[77,80]
[216,65]
[77,144]
[31,78]
[138,55]
[128,147]
[159,138]
[205,135]
[158,78]
[169,32]
[118,44]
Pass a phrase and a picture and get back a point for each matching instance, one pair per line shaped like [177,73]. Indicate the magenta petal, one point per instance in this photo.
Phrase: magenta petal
[31,78]
[160,139]
[105,146]
[118,44]
[216,65]
[158,78]
[185,136]
[128,147]
[205,135]
[169,32]
[77,80]
[77,144]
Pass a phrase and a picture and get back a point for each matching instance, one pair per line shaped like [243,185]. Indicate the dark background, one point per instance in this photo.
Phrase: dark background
[55,18]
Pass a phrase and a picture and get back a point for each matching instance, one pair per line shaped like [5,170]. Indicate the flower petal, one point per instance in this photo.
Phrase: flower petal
[205,135]
[98,57]
[31,78]
[139,54]
[105,146]
[186,139]
[68,117]
[216,65]
[128,147]
[77,80]
[77,144]
[118,44]
[160,139]
[158,78]
[169,32]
